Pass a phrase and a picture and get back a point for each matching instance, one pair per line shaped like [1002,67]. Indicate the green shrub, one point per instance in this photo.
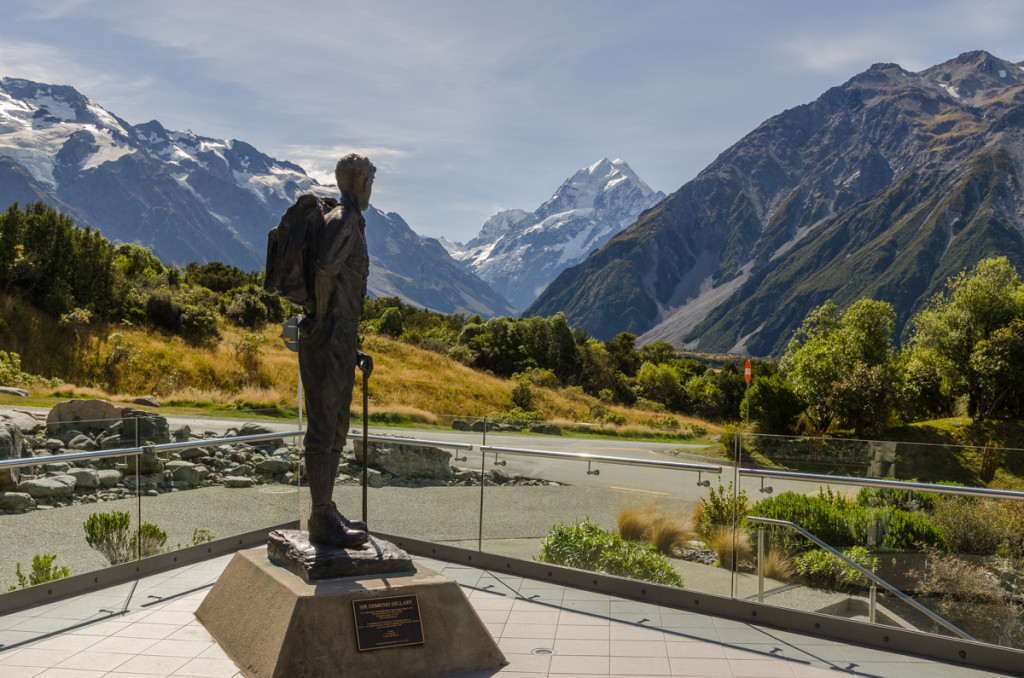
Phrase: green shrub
[585,546]
[969,525]
[522,394]
[827,516]
[42,571]
[717,510]
[112,535]
[824,569]
[612,419]
[894,528]
[883,496]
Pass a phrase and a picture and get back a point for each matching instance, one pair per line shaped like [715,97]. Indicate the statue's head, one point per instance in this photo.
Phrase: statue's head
[355,177]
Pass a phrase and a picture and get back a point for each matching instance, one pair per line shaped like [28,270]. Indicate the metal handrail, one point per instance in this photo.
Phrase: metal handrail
[133,451]
[595,458]
[412,441]
[984,492]
[867,573]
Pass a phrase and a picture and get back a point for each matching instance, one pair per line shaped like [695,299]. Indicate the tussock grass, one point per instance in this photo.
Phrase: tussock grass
[722,544]
[650,522]
[778,565]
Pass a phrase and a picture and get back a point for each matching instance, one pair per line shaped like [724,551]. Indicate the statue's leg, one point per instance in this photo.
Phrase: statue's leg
[326,525]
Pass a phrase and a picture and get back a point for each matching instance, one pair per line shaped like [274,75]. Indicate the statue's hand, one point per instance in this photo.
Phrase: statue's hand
[312,327]
[365,363]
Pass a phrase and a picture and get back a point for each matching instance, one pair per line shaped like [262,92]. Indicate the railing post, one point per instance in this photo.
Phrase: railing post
[872,596]
[760,564]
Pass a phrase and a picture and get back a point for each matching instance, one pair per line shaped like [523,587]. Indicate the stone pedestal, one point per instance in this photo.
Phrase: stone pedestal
[274,624]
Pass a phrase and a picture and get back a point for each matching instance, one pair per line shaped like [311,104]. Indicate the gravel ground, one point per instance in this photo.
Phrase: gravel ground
[442,514]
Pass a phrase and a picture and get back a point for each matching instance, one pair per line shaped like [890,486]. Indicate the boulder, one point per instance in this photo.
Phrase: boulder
[109,477]
[148,463]
[83,442]
[182,433]
[82,415]
[86,478]
[11,390]
[26,422]
[50,487]
[192,474]
[546,429]
[254,429]
[12,446]
[238,481]
[147,401]
[190,453]
[16,501]
[275,466]
[460,425]
[139,426]
[407,461]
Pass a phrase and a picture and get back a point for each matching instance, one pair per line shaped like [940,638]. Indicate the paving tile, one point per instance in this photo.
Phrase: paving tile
[178,648]
[94,661]
[66,641]
[594,666]
[695,649]
[71,673]
[582,632]
[32,657]
[595,648]
[147,630]
[639,648]
[22,671]
[208,668]
[132,646]
[528,663]
[528,631]
[152,665]
[523,645]
[646,666]
[761,668]
[706,668]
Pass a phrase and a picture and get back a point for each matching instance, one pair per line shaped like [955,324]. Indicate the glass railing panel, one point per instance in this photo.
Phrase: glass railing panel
[593,515]
[425,487]
[57,506]
[958,556]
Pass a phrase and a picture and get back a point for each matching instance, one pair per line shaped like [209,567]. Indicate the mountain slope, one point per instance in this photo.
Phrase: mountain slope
[420,271]
[882,187]
[520,252]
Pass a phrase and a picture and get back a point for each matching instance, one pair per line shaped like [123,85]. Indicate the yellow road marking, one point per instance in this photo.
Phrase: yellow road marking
[630,489]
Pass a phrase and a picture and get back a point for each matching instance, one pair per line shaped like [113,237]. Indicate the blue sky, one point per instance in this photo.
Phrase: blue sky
[471,107]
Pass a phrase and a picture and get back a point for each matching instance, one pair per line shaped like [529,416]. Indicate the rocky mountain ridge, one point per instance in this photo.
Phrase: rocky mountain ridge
[520,252]
[882,187]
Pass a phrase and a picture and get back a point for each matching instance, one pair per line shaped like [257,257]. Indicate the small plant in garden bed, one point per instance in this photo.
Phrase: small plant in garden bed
[585,546]
[827,570]
[112,535]
[43,570]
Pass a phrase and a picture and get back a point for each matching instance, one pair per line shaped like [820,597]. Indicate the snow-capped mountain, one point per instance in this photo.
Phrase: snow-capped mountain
[186,197]
[520,252]
[192,198]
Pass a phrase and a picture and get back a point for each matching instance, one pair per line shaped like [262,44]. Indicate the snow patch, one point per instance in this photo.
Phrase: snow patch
[108,151]
[57,108]
[952,91]
[1002,73]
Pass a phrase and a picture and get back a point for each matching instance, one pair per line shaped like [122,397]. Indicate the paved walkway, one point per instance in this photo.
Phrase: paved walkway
[544,630]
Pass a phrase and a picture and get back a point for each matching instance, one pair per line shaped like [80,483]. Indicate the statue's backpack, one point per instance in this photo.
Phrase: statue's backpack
[292,250]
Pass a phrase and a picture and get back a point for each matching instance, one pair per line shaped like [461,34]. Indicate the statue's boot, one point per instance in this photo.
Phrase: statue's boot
[324,528]
[326,524]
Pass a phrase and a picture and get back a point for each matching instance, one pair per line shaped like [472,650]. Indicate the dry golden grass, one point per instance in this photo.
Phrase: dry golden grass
[778,565]
[637,521]
[671,532]
[722,543]
[648,521]
[122,362]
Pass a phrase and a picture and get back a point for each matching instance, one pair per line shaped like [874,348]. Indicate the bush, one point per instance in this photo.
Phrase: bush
[717,510]
[894,528]
[42,571]
[585,546]
[969,525]
[827,516]
[948,576]
[111,534]
[522,394]
[826,570]
[199,326]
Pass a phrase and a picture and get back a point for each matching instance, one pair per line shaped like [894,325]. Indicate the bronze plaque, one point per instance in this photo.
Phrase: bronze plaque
[388,622]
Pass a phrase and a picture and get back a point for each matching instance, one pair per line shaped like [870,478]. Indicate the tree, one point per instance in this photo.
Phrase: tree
[843,367]
[774,405]
[953,335]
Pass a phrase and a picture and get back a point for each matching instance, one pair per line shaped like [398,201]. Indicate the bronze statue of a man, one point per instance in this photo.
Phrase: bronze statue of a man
[328,355]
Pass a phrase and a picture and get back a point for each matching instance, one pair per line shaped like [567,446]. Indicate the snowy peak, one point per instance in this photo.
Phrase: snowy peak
[520,252]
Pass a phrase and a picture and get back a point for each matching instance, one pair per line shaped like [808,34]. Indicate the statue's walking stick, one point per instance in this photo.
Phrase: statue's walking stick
[366,401]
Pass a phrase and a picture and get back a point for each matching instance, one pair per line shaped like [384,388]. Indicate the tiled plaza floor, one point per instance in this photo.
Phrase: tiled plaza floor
[543,629]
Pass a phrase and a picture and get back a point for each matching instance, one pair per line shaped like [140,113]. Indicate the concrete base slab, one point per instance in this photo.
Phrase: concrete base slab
[273,624]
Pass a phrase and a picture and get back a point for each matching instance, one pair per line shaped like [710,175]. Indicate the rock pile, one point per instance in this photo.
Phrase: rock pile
[85,426]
